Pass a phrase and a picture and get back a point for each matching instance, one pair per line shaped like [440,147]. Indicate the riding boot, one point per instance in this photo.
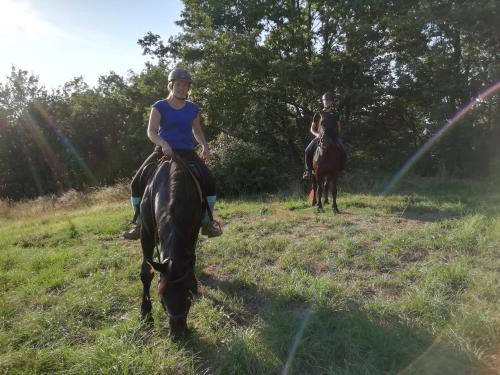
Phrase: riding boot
[135,232]
[210,227]
[308,159]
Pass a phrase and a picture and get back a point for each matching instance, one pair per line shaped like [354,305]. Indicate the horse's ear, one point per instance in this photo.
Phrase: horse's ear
[159,267]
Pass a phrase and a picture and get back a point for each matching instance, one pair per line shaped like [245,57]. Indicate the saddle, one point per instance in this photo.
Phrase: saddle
[190,164]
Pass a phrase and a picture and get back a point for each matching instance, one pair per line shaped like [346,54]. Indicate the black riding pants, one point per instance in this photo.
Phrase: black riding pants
[309,154]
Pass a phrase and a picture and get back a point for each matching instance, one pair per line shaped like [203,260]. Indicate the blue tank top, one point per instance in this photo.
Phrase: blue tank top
[176,124]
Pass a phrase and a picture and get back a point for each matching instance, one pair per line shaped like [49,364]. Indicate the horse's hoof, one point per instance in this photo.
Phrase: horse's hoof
[179,336]
[335,211]
[147,318]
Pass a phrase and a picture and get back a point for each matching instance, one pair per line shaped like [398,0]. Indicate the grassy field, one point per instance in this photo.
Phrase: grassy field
[403,283]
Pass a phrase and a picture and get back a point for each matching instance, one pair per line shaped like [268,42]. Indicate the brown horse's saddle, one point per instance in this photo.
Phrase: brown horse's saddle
[150,169]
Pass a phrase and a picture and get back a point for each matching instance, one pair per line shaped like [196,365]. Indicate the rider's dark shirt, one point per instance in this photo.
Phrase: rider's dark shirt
[327,123]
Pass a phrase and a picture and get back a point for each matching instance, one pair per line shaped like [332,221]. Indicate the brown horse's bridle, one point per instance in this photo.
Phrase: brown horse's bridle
[325,141]
[176,316]
[178,159]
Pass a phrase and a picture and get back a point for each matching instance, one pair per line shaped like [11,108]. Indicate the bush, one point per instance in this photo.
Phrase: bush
[242,167]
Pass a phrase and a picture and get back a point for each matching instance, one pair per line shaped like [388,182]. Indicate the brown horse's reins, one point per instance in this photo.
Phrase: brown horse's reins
[177,281]
[178,159]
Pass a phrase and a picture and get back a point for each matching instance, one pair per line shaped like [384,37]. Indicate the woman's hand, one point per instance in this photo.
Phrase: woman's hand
[206,154]
[167,150]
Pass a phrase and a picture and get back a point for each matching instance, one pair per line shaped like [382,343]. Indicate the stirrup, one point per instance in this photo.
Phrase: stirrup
[132,234]
[211,229]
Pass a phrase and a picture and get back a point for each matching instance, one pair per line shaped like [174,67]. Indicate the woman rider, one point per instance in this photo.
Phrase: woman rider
[172,123]
[330,119]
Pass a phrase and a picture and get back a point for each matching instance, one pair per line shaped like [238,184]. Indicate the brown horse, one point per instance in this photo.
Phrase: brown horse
[326,171]
[171,210]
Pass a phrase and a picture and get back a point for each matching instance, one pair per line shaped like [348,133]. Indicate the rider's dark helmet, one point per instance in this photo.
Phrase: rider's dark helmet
[327,96]
[179,74]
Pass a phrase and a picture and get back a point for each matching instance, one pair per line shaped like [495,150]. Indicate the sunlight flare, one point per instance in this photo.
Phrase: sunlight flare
[431,142]
[296,340]
[50,156]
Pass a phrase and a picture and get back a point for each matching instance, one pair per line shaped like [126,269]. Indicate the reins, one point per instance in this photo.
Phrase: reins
[178,159]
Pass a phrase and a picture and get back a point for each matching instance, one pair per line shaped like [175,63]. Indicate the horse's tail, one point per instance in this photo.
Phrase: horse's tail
[311,194]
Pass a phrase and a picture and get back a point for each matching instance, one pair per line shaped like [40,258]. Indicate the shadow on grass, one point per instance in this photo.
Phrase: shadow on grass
[297,337]
[430,215]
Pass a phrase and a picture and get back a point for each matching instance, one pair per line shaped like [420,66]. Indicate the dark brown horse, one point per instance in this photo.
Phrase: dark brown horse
[326,171]
[171,211]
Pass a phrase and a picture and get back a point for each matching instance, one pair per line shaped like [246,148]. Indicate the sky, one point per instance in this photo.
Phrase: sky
[58,40]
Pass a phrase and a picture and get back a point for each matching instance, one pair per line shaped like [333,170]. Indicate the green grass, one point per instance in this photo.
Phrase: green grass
[402,283]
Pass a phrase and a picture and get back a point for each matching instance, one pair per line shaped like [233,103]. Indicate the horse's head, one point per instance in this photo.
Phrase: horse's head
[175,293]
[173,215]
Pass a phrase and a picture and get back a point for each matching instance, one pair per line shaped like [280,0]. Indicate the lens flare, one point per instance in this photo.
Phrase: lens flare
[33,130]
[431,142]
[296,340]
[66,143]
[33,170]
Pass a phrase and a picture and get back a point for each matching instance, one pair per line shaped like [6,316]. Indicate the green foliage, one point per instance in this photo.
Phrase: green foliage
[399,72]
[243,167]
[77,136]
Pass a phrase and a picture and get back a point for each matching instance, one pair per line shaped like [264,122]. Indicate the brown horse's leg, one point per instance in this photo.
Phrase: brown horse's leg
[327,183]
[147,273]
[334,195]
[314,188]
[321,182]
[146,305]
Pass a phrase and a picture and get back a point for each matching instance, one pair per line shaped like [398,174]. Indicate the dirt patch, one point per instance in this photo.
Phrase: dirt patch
[320,267]
[211,277]
[492,363]
[414,256]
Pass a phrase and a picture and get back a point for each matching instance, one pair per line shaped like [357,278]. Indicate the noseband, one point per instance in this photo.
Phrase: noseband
[177,281]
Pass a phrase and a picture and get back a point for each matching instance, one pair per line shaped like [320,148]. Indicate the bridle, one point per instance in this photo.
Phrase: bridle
[178,159]
[177,281]
[324,142]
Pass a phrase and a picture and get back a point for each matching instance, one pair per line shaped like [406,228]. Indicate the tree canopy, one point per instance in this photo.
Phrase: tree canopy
[399,70]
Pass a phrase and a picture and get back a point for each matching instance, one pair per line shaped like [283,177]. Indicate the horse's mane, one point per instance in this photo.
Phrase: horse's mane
[181,216]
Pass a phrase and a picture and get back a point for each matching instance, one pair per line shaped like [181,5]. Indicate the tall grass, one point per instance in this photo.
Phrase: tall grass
[401,283]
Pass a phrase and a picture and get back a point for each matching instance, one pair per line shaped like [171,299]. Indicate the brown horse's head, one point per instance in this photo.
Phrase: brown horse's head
[325,142]
[172,218]
[175,294]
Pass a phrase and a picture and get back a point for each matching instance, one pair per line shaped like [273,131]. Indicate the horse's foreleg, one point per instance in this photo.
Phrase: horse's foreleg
[334,196]
[320,194]
[327,182]
[146,305]
[314,188]
[147,273]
